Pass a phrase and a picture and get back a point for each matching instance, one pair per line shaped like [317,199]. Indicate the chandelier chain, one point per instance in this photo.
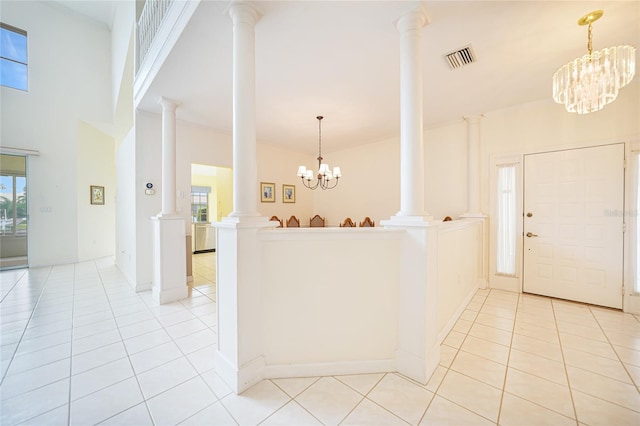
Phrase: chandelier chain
[588,83]
[325,178]
[320,138]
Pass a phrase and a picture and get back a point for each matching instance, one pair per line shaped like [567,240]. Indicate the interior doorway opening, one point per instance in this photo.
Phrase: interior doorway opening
[211,200]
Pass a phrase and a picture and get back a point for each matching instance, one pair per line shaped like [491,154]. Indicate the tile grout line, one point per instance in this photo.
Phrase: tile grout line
[292,399]
[25,329]
[73,304]
[14,285]
[506,370]
[26,325]
[637,385]
[448,368]
[144,399]
[366,396]
[185,356]
[564,364]
[55,381]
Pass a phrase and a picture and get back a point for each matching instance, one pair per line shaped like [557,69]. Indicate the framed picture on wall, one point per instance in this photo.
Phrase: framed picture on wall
[97,194]
[267,192]
[288,193]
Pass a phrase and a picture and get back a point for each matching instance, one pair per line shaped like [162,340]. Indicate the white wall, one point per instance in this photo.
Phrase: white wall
[371,178]
[335,291]
[371,181]
[121,38]
[96,222]
[69,81]
[370,185]
[278,165]
[148,163]
[126,207]
[459,268]
[195,144]
[445,169]
[545,126]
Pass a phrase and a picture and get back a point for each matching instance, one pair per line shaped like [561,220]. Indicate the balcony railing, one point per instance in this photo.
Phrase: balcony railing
[152,15]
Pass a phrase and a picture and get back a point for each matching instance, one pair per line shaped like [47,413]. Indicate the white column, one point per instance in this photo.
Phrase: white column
[245,168]
[473,166]
[239,359]
[169,246]
[418,351]
[168,156]
[411,123]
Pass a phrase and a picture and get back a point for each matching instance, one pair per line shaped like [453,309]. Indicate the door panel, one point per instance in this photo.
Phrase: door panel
[573,239]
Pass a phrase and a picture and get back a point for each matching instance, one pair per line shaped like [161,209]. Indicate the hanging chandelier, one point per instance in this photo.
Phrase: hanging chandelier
[325,178]
[589,83]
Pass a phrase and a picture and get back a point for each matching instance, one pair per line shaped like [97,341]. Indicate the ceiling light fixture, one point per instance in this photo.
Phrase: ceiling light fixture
[589,83]
[326,179]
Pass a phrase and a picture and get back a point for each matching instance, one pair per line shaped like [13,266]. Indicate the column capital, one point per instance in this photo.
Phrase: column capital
[168,103]
[243,12]
[473,118]
[413,20]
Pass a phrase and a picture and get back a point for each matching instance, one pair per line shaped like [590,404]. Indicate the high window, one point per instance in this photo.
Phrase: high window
[13,57]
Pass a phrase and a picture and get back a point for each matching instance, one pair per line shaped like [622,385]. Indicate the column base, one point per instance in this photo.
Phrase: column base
[166,296]
[416,368]
[400,220]
[239,379]
[473,216]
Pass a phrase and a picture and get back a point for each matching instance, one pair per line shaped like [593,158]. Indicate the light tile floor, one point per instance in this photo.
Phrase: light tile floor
[80,347]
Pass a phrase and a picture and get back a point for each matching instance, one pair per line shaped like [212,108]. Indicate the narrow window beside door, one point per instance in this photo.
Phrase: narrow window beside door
[635,235]
[506,220]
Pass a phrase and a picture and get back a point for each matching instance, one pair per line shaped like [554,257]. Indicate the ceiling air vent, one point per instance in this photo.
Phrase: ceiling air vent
[460,57]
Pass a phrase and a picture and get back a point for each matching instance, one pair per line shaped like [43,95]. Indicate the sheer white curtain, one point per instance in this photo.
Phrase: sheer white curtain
[506,209]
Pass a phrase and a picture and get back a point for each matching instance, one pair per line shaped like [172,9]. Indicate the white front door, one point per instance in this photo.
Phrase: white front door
[573,224]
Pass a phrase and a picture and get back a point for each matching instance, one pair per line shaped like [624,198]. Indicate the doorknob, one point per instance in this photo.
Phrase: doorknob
[530,234]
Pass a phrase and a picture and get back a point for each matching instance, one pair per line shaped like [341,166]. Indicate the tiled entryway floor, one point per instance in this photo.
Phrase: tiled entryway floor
[80,347]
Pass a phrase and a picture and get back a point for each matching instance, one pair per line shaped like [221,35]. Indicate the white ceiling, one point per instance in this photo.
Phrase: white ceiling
[340,59]
[99,10]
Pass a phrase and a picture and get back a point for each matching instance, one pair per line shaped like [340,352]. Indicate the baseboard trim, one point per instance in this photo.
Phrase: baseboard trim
[442,334]
[279,371]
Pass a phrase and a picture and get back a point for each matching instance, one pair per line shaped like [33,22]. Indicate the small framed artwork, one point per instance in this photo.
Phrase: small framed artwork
[267,192]
[288,193]
[97,194]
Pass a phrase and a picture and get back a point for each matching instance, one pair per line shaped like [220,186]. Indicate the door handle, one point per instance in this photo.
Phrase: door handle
[531,234]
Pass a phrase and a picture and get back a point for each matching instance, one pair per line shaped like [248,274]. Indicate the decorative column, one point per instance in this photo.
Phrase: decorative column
[168,156]
[411,124]
[473,166]
[245,166]
[239,358]
[169,244]
[473,188]
[418,351]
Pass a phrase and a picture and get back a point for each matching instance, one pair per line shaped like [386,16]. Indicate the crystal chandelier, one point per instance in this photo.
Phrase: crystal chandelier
[589,83]
[325,178]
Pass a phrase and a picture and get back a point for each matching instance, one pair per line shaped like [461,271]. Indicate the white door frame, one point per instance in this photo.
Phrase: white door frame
[631,302]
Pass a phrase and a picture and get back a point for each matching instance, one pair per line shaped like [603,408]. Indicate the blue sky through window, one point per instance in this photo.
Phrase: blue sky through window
[13,58]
